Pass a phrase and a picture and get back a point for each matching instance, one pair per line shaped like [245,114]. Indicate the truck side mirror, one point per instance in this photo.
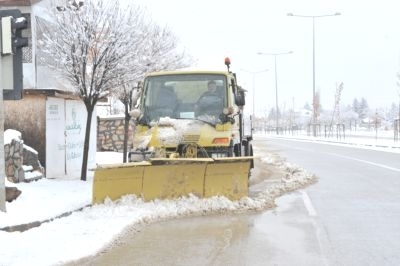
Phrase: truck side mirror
[239,98]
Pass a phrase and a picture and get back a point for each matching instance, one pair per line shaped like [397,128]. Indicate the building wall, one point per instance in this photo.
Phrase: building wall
[55,128]
[28,116]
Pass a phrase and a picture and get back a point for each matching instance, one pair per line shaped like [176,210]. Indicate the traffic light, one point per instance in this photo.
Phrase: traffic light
[12,24]
[6,35]
[17,25]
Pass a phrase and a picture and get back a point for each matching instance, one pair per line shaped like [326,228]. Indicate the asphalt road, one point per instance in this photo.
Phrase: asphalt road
[355,206]
[351,216]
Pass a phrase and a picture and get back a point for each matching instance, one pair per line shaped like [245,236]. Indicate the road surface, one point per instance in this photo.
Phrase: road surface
[351,216]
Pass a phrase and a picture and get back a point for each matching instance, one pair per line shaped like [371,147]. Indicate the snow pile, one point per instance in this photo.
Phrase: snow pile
[30,173]
[131,212]
[11,134]
[170,131]
[294,177]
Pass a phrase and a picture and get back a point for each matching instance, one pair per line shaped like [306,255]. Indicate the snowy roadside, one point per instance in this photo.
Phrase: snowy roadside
[88,231]
[44,200]
[47,199]
[363,140]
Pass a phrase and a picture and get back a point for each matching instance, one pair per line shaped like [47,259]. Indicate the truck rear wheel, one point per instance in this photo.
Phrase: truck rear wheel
[251,154]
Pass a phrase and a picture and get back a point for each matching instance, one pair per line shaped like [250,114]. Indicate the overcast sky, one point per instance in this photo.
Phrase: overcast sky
[360,48]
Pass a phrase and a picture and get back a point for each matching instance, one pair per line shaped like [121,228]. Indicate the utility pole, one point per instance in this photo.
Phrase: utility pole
[314,114]
[276,86]
[2,162]
[11,42]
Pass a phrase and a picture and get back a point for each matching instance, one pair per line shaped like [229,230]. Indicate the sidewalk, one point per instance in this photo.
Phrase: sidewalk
[46,199]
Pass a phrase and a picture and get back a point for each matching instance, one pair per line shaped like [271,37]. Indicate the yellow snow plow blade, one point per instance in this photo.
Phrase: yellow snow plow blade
[228,177]
[173,178]
[115,180]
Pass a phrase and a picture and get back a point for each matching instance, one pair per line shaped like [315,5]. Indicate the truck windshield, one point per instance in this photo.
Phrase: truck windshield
[185,96]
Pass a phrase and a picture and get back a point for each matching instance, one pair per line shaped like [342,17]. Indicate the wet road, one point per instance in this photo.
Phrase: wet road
[350,217]
[355,204]
[284,236]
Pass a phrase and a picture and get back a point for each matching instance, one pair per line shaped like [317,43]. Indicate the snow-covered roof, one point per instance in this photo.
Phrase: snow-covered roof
[161,73]
[52,92]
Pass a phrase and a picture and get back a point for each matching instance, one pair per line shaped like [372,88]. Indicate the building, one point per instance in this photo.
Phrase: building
[51,119]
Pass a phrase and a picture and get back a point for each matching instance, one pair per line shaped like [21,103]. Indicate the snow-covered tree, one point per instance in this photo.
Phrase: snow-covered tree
[157,51]
[398,93]
[92,47]
[393,112]
[361,107]
[364,108]
[350,117]
[307,106]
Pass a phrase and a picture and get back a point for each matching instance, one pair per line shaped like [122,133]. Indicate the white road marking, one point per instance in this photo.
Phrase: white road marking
[307,203]
[320,234]
[367,162]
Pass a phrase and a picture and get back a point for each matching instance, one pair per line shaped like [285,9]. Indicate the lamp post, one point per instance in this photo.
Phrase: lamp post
[276,85]
[314,115]
[2,163]
[253,73]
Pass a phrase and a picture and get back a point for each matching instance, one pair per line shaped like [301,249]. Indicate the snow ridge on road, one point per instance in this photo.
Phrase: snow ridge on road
[95,228]
[281,178]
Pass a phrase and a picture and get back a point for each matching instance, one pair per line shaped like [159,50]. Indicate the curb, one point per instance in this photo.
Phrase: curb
[24,227]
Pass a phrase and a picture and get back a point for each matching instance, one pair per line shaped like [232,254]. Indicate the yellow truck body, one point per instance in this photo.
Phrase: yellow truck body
[181,147]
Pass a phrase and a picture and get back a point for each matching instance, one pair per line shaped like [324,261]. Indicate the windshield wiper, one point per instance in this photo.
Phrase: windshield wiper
[195,119]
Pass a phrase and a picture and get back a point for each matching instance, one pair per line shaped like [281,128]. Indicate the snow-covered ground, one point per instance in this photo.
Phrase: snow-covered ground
[87,231]
[367,139]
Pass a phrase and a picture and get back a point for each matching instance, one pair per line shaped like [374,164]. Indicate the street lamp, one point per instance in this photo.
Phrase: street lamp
[314,118]
[254,87]
[276,86]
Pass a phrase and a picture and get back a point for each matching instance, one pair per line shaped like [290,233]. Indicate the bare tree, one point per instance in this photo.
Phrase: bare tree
[157,51]
[91,45]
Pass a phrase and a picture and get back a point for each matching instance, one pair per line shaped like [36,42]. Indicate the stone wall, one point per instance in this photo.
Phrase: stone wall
[19,160]
[13,155]
[110,133]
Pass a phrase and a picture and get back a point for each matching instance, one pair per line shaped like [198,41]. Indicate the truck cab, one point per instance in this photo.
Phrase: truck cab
[190,114]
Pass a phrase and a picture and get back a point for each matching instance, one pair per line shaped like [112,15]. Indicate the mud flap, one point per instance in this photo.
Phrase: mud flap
[173,178]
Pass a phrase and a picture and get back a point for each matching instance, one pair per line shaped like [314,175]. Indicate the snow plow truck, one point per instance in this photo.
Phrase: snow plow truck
[190,138]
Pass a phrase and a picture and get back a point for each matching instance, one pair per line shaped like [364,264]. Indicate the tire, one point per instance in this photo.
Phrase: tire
[251,154]
[250,150]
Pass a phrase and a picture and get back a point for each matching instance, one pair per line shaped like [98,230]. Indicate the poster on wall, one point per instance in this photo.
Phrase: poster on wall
[75,117]
[55,140]
[75,126]
[65,135]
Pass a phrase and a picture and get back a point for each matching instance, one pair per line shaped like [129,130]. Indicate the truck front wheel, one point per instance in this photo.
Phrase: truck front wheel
[237,150]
